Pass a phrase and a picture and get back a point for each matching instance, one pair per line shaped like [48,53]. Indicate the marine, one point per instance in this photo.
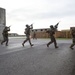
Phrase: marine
[5,35]
[27,32]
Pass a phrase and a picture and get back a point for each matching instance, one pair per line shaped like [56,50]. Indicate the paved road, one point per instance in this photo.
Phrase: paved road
[37,60]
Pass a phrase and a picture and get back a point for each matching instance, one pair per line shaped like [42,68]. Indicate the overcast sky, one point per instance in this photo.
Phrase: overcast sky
[42,13]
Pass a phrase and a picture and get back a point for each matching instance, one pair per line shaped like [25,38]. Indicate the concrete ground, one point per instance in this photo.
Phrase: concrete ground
[37,60]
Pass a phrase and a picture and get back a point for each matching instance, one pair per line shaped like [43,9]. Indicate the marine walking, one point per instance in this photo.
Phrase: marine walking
[27,33]
[51,32]
[5,35]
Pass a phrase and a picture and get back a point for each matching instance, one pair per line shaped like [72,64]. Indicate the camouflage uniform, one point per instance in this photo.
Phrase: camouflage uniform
[34,35]
[5,35]
[53,40]
[27,32]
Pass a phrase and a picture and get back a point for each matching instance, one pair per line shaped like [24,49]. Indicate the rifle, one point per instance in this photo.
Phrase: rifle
[56,26]
[31,26]
[8,28]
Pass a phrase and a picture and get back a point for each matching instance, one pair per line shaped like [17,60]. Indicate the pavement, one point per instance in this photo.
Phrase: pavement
[37,60]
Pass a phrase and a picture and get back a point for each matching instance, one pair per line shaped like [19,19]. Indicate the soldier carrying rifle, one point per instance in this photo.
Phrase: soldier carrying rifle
[5,35]
[27,32]
[51,32]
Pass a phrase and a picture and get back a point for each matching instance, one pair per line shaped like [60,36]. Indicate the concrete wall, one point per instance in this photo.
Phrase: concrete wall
[1,30]
[2,21]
